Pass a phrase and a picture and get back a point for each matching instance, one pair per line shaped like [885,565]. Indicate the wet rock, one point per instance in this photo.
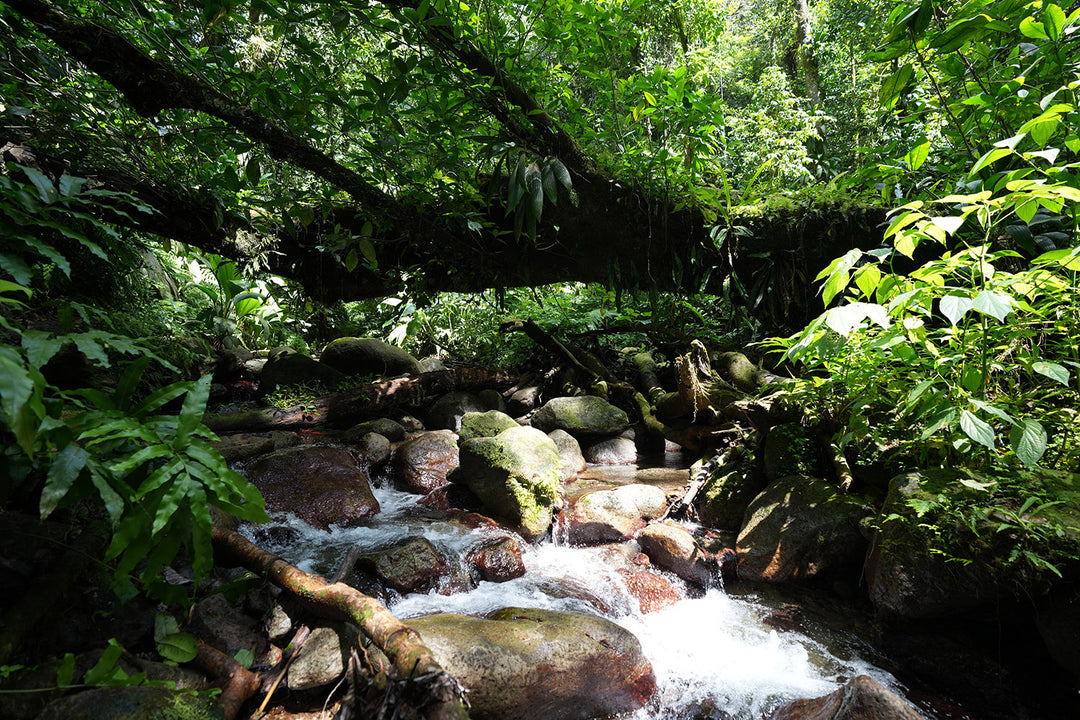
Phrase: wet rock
[413,565]
[672,547]
[287,369]
[129,703]
[614,515]
[613,451]
[571,459]
[423,463]
[356,357]
[515,475]
[526,664]
[861,698]
[324,656]
[411,423]
[652,592]
[581,416]
[219,624]
[484,424]
[790,450]
[800,527]
[321,485]
[446,412]
[904,576]
[389,429]
[243,446]
[432,364]
[496,560]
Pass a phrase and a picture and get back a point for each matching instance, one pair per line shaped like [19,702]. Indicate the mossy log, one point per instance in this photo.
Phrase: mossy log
[404,647]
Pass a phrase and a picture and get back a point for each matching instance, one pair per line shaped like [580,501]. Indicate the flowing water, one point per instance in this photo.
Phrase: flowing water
[712,653]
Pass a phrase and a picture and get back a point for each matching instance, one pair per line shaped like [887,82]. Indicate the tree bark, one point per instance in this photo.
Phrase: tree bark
[404,647]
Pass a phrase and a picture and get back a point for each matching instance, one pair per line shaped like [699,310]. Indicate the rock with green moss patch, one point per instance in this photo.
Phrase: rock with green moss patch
[790,450]
[291,369]
[132,703]
[584,416]
[516,475]
[358,357]
[484,424]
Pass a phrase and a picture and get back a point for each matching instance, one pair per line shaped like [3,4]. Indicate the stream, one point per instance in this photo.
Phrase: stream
[712,652]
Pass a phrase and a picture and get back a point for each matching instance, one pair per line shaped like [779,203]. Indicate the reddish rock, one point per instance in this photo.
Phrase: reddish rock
[652,591]
[421,464]
[614,515]
[862,698]
[673,547]
[320,485]
[497,560]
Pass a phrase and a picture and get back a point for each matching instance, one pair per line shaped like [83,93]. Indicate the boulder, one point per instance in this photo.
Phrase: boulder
[523,400]
[412,565]
[672,547]
[321,485]
[432,363]
[861,698]
[244,446]
[492,399]
[356,357]
[446,412]
[219,624]
[571,459]
[653,592]
[583,416]
[727,492]
[324,656]
[526,664]
[484,424]
[423,463]
[289,369]
[129,703]
[1058,620]
[614,515]
[515,475]
[904,576]
[389,429]
[372,449]
[612,451]
[496,560]
[799,527]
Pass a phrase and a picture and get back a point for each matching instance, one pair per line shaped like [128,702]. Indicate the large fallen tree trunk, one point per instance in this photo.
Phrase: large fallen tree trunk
[360,403]
[403,646]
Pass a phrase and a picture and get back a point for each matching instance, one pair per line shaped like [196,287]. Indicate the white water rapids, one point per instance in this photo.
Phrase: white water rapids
[712,654]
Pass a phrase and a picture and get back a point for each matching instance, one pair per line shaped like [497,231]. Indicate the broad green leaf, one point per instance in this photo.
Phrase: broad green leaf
[1031,29]
[978,430]
[917,155]
[993,303]
[45,188]
[1028,441]
[65,674]
[894,85]
[105,670]
[63,472]
[954,307]
[178,647]
[989,158]
[40,346]
[352,260]
[949,224]
[838,273]
[1053,371]
[367,248]
[866,279]
[1053,21]
[16,384]
[992,410]
[252,171]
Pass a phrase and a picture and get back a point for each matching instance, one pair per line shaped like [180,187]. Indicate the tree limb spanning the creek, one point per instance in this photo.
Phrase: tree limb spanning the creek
[410,658]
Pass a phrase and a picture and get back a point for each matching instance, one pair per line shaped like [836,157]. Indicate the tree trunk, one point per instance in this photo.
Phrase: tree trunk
[806,57]
[404,647]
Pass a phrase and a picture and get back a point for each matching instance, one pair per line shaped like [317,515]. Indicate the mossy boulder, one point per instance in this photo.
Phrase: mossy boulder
[790,450]
[369,356]
[132,703]
[728,491]
[530,664]
[447,412]
[516,475]
[584,416]
[484,424]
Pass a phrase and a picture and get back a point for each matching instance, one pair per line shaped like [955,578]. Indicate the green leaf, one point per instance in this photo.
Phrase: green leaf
[1028,441]
[989,158]
[64,470]
[66,672]
[46,189]
[1052,371]
[993,303]
[917,155]
[106,671]
[895,84]
[1034,30]
[949,224]
[954,307]
[978,430]
[252,171]
[245,657]
[1053,21]
[352,260]
[179,647]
